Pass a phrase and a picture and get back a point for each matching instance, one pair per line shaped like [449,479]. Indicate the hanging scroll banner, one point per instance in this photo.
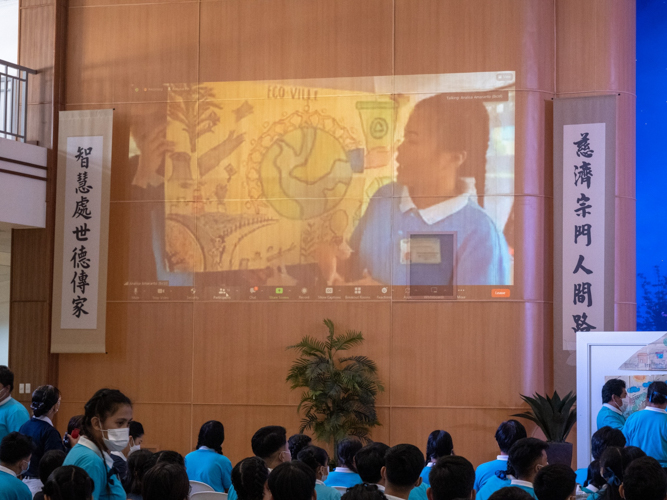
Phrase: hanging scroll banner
[82,232]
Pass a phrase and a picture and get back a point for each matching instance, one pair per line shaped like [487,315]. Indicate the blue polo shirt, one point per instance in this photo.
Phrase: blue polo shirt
[12,416]
[609,417]
[325,492]
[492,485]
[647,429]
[488,470]
[425,473]
[12,488]
[87,455]
[343,476]
[207,466]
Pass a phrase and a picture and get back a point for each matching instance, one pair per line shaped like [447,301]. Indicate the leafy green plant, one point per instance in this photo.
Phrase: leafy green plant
[339,400]
[555,416]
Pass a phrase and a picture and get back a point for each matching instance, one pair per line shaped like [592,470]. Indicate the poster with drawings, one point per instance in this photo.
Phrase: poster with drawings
[637,386]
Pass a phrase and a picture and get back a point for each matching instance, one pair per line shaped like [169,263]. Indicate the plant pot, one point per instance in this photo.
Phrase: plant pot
[560,453]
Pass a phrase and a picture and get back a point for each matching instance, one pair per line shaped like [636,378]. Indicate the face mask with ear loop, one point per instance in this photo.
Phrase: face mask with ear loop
[116,439]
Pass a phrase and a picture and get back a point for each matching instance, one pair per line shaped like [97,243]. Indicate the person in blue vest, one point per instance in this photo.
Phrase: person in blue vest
[12,413]
[318,459]
[507,434]
[105,428]
[439,444]
[614,404]
[603,438]
[45,437]
[402,471]
[647,428]
[345,474]
[207,464]
[249,478]
[15,453]
[555,482]
[526,457]
[69,482]
[452,477]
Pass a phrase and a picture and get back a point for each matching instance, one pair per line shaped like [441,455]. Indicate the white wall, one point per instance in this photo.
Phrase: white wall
[9,30]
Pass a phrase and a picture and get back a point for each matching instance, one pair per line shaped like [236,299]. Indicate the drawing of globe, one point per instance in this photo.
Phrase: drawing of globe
[305,173]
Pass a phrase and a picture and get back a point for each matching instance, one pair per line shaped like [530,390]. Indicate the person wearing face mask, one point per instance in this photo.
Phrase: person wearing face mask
[207,464]
[120,457]
[647,429]
[12,413]
[15,452]
[105,428]
[45,437]
[318,459]
[614,404]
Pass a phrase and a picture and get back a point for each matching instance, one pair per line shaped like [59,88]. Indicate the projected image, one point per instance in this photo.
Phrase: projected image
[357,188]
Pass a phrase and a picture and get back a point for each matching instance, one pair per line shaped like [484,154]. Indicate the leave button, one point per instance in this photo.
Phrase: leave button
[503,293]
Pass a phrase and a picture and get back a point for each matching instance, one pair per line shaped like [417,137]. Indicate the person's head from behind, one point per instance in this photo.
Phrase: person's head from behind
[631,453]
[613,393]
[164,457]
[605,437]
[296,443]
[644,479]
[106,420]
[136,436]
[6,382]
[508,433]
[439,444]
[249,478]
[511,493]
[73,431]
[526,457]
[270,444]
[15,452]
[68,483]
[656,395]
[555,482]
[451,478]
[369,462]
[402,469]
[45,401]
[166,481]
[593,476]
[317,459]
[292,481]
[612,465]
[136,468]
[211,435]
[50,461]
[347,449]
[364,491]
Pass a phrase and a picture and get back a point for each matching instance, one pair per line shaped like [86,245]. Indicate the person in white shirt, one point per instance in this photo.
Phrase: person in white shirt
[403,465]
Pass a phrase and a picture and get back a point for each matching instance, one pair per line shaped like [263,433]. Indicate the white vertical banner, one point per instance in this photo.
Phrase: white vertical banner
[82,231]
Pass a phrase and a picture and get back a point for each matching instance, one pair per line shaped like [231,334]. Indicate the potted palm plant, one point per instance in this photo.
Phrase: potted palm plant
[340,391]
[555,416]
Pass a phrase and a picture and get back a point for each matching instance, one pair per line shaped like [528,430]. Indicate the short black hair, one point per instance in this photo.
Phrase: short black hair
[211,435]
[511,493]
[632,453]
[645,480]
[369,462]
[451,477]
[50,461]
[136,468]
[268,440]
[314,457]
[15,447]
[298,442]
[364,491]
[523,455]
[403,464]
[657,393]
[508,433]
[347,449]
[612,464]
[70,482]
[166,481]
[439,444]
[136,429]
[249,477]
[555,482]
[7,377]
[292,481]
[612,387]
[603,438]
[163,457]
[593,476]
[44,398]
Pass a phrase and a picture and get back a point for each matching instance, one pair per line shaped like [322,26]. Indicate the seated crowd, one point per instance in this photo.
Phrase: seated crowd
[101,458]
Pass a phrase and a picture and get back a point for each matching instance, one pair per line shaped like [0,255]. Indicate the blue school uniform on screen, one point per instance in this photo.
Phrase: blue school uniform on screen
[12,416]
[647,429]
[207,466]
[492,485]
[425,472]
[342,476]
[488,470]
[380,241]
[45,437]
[325,492]
[610,416]
[12,488]
[98,465]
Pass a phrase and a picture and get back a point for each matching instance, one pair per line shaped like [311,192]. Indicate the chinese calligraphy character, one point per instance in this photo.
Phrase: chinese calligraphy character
[580,324]
[583,230]
[81,232]
[583,174]
[82,155]
[81,209]
[82,180]
[583,147]
[80,281]
[580,265]
[78,303]
[582,293]
[80,258]
[583,209]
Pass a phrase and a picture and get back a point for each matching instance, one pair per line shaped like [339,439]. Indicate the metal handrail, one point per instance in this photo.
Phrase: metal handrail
[14,100]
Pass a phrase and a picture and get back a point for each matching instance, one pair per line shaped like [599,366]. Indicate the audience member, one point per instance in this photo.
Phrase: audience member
[508,433]
[439,444]
[249,478]
[68,483]
[15,453]
[614,404]
[647,429]
[292,481]
[296,443]
[166,481]
[136,469]
[136,437]
[73,432]
[452,478]
[632,453]
[50,461]
[555,482]
[364,491]
[644,479]
[45,437]
[207,464]
[105,428]
[369,462]
[600,441]
[165,456]
[12,413]
[318,459]
[402,471]
[120,457]
[345,474]
[612,464]
[511,493]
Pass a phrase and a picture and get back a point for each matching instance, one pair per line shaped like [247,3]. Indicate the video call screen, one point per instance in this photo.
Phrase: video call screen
[396,187]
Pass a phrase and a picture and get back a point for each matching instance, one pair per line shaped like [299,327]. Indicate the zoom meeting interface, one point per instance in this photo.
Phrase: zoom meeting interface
[373,188]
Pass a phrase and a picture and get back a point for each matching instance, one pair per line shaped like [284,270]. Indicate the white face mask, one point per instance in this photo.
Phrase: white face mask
[325,473]
[117,439]
[625,402]
[25,471]
[134,448]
